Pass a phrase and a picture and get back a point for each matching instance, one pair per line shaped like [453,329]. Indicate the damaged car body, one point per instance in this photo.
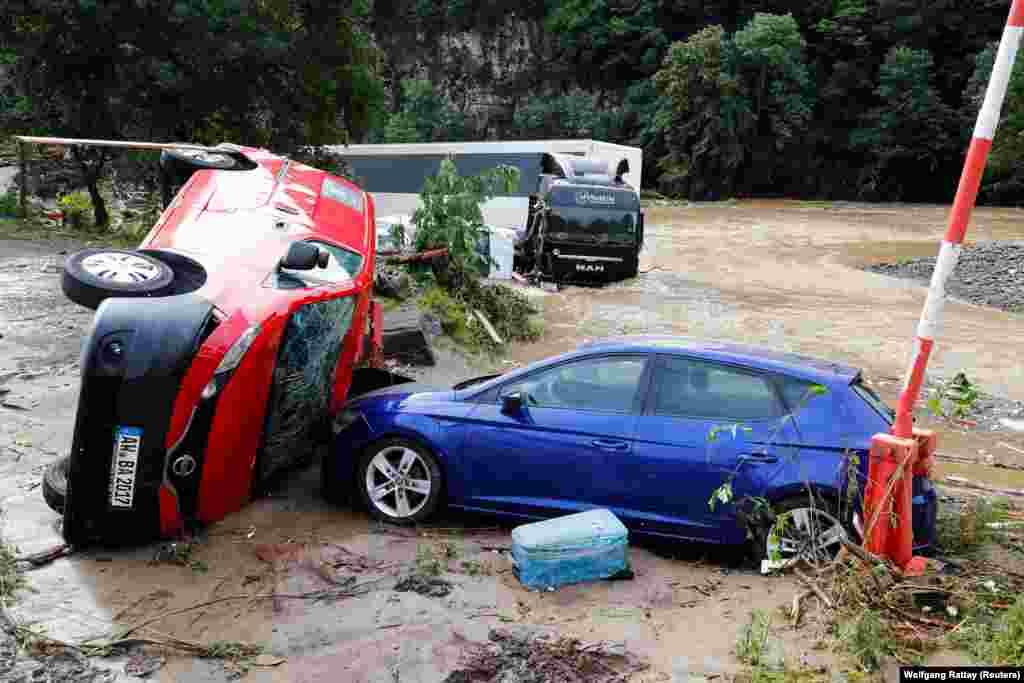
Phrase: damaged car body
[220,348]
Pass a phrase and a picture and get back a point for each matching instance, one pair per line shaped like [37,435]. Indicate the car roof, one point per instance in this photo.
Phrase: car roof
[807,367]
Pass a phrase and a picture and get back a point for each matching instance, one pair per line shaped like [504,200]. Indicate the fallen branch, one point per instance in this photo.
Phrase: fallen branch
[46,556]
[491,332]
[794,611]
[421,256]
[870,559]
[815,588]
[354,591]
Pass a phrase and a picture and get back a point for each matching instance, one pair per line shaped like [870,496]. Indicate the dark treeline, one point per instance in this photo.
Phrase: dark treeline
[839,99]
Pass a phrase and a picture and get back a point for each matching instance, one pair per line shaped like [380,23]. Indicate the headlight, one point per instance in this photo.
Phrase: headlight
[230,361]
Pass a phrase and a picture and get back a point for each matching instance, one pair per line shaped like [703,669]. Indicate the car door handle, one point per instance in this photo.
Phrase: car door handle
[758,458]
[609,445]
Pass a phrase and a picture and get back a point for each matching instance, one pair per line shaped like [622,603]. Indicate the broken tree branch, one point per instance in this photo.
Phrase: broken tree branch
[815,588]
[421,256]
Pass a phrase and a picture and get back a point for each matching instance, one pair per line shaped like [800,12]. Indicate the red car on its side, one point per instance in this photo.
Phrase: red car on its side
[221,347]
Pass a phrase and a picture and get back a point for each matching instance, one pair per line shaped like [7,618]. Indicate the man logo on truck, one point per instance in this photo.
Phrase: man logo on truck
[591,198]
[590,267]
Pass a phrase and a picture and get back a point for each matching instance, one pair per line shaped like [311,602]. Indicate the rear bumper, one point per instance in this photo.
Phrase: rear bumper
[133,362]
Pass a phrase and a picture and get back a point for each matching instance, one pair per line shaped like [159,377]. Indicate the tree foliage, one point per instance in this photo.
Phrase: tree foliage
[1004,175]
[279,73]
[450,217]
[819,98]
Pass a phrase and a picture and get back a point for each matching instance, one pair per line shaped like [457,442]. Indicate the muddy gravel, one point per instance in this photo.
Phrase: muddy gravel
[990,274]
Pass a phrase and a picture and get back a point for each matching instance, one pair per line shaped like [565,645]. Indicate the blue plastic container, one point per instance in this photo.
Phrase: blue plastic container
[586,546]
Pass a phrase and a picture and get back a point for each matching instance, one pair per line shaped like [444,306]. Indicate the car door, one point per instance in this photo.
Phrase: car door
[550,457]
[702,423]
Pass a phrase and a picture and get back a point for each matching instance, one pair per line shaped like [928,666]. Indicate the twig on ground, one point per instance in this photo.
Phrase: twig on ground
[354,591]
[815,588]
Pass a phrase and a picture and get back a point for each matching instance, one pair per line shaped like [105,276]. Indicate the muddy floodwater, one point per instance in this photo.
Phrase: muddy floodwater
[779,273]
[786,274]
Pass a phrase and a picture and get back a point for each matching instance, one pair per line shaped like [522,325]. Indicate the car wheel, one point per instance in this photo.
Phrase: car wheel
[55,484]
[92,275]
[400,481]
[802,527]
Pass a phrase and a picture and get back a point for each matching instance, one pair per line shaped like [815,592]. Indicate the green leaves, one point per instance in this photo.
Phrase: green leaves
[450,215]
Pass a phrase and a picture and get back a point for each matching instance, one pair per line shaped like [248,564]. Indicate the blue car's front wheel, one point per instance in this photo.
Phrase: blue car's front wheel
[400,481]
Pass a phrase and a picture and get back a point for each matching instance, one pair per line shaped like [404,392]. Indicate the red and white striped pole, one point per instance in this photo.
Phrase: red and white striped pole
[966,194]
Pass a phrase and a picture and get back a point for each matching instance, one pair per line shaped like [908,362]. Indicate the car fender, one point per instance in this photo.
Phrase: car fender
[424,430]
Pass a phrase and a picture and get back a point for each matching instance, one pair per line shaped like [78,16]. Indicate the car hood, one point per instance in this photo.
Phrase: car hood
[243,222]
[390,398]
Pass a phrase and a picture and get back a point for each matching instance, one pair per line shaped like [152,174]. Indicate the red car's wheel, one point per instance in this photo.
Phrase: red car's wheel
[55,484]
[92,275]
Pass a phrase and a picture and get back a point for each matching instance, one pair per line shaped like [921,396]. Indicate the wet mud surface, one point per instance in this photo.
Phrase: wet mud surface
[316,585]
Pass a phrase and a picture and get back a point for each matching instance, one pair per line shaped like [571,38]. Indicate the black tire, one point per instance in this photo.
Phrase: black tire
[334,489]
[83,286]
[825,505]
[55,484]
[180,164]
[431,465]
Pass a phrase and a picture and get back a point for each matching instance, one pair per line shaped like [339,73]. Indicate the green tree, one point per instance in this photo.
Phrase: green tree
[281,73]
[775,78]
[708,118]
[424,116]
[608,42]
[1004,173]
[450,217]
[911,131]
[577,114]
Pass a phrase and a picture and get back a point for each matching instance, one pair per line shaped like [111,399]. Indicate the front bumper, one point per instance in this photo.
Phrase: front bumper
[133,362]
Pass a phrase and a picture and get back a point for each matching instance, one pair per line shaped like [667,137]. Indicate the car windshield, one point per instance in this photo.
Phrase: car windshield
[868,395]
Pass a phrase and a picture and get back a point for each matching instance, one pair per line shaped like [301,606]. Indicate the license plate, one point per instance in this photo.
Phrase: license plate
[127,442]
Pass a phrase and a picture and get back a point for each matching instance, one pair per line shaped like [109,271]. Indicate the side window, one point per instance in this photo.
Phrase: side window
[794,392]
[604,384]
[691,388]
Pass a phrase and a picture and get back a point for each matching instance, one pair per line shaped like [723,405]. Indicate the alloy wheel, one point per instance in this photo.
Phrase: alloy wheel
[398,482]
[805,533]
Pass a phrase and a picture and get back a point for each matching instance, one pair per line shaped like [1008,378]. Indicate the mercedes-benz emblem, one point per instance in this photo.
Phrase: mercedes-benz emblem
[183,465]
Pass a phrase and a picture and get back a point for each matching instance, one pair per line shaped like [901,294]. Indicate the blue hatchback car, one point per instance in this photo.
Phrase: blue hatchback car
[671,435]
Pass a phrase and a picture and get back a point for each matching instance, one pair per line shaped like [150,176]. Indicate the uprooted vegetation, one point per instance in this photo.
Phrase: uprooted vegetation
[511,314]
[478,316]
[875,615]
[518,658]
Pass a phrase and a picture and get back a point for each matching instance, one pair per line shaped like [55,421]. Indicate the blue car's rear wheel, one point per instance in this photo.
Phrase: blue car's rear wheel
[805,528]
[400,481]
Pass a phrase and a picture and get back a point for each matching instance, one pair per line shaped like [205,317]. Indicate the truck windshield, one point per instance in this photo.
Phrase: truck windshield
[595,226]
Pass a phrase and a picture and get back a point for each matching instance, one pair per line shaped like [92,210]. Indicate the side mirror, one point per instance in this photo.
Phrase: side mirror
[512,404]
[303,256]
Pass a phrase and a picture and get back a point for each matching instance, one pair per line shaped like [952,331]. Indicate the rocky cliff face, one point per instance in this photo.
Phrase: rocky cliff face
[486,73]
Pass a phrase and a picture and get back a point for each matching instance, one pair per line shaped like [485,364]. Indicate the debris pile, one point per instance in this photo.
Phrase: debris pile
[911,615]
[518,658]
[991,274]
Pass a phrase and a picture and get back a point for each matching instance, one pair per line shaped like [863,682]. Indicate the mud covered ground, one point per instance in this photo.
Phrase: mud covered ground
[315,585]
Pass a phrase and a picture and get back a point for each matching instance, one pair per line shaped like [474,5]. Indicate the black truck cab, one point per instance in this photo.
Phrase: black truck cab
[584,223]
